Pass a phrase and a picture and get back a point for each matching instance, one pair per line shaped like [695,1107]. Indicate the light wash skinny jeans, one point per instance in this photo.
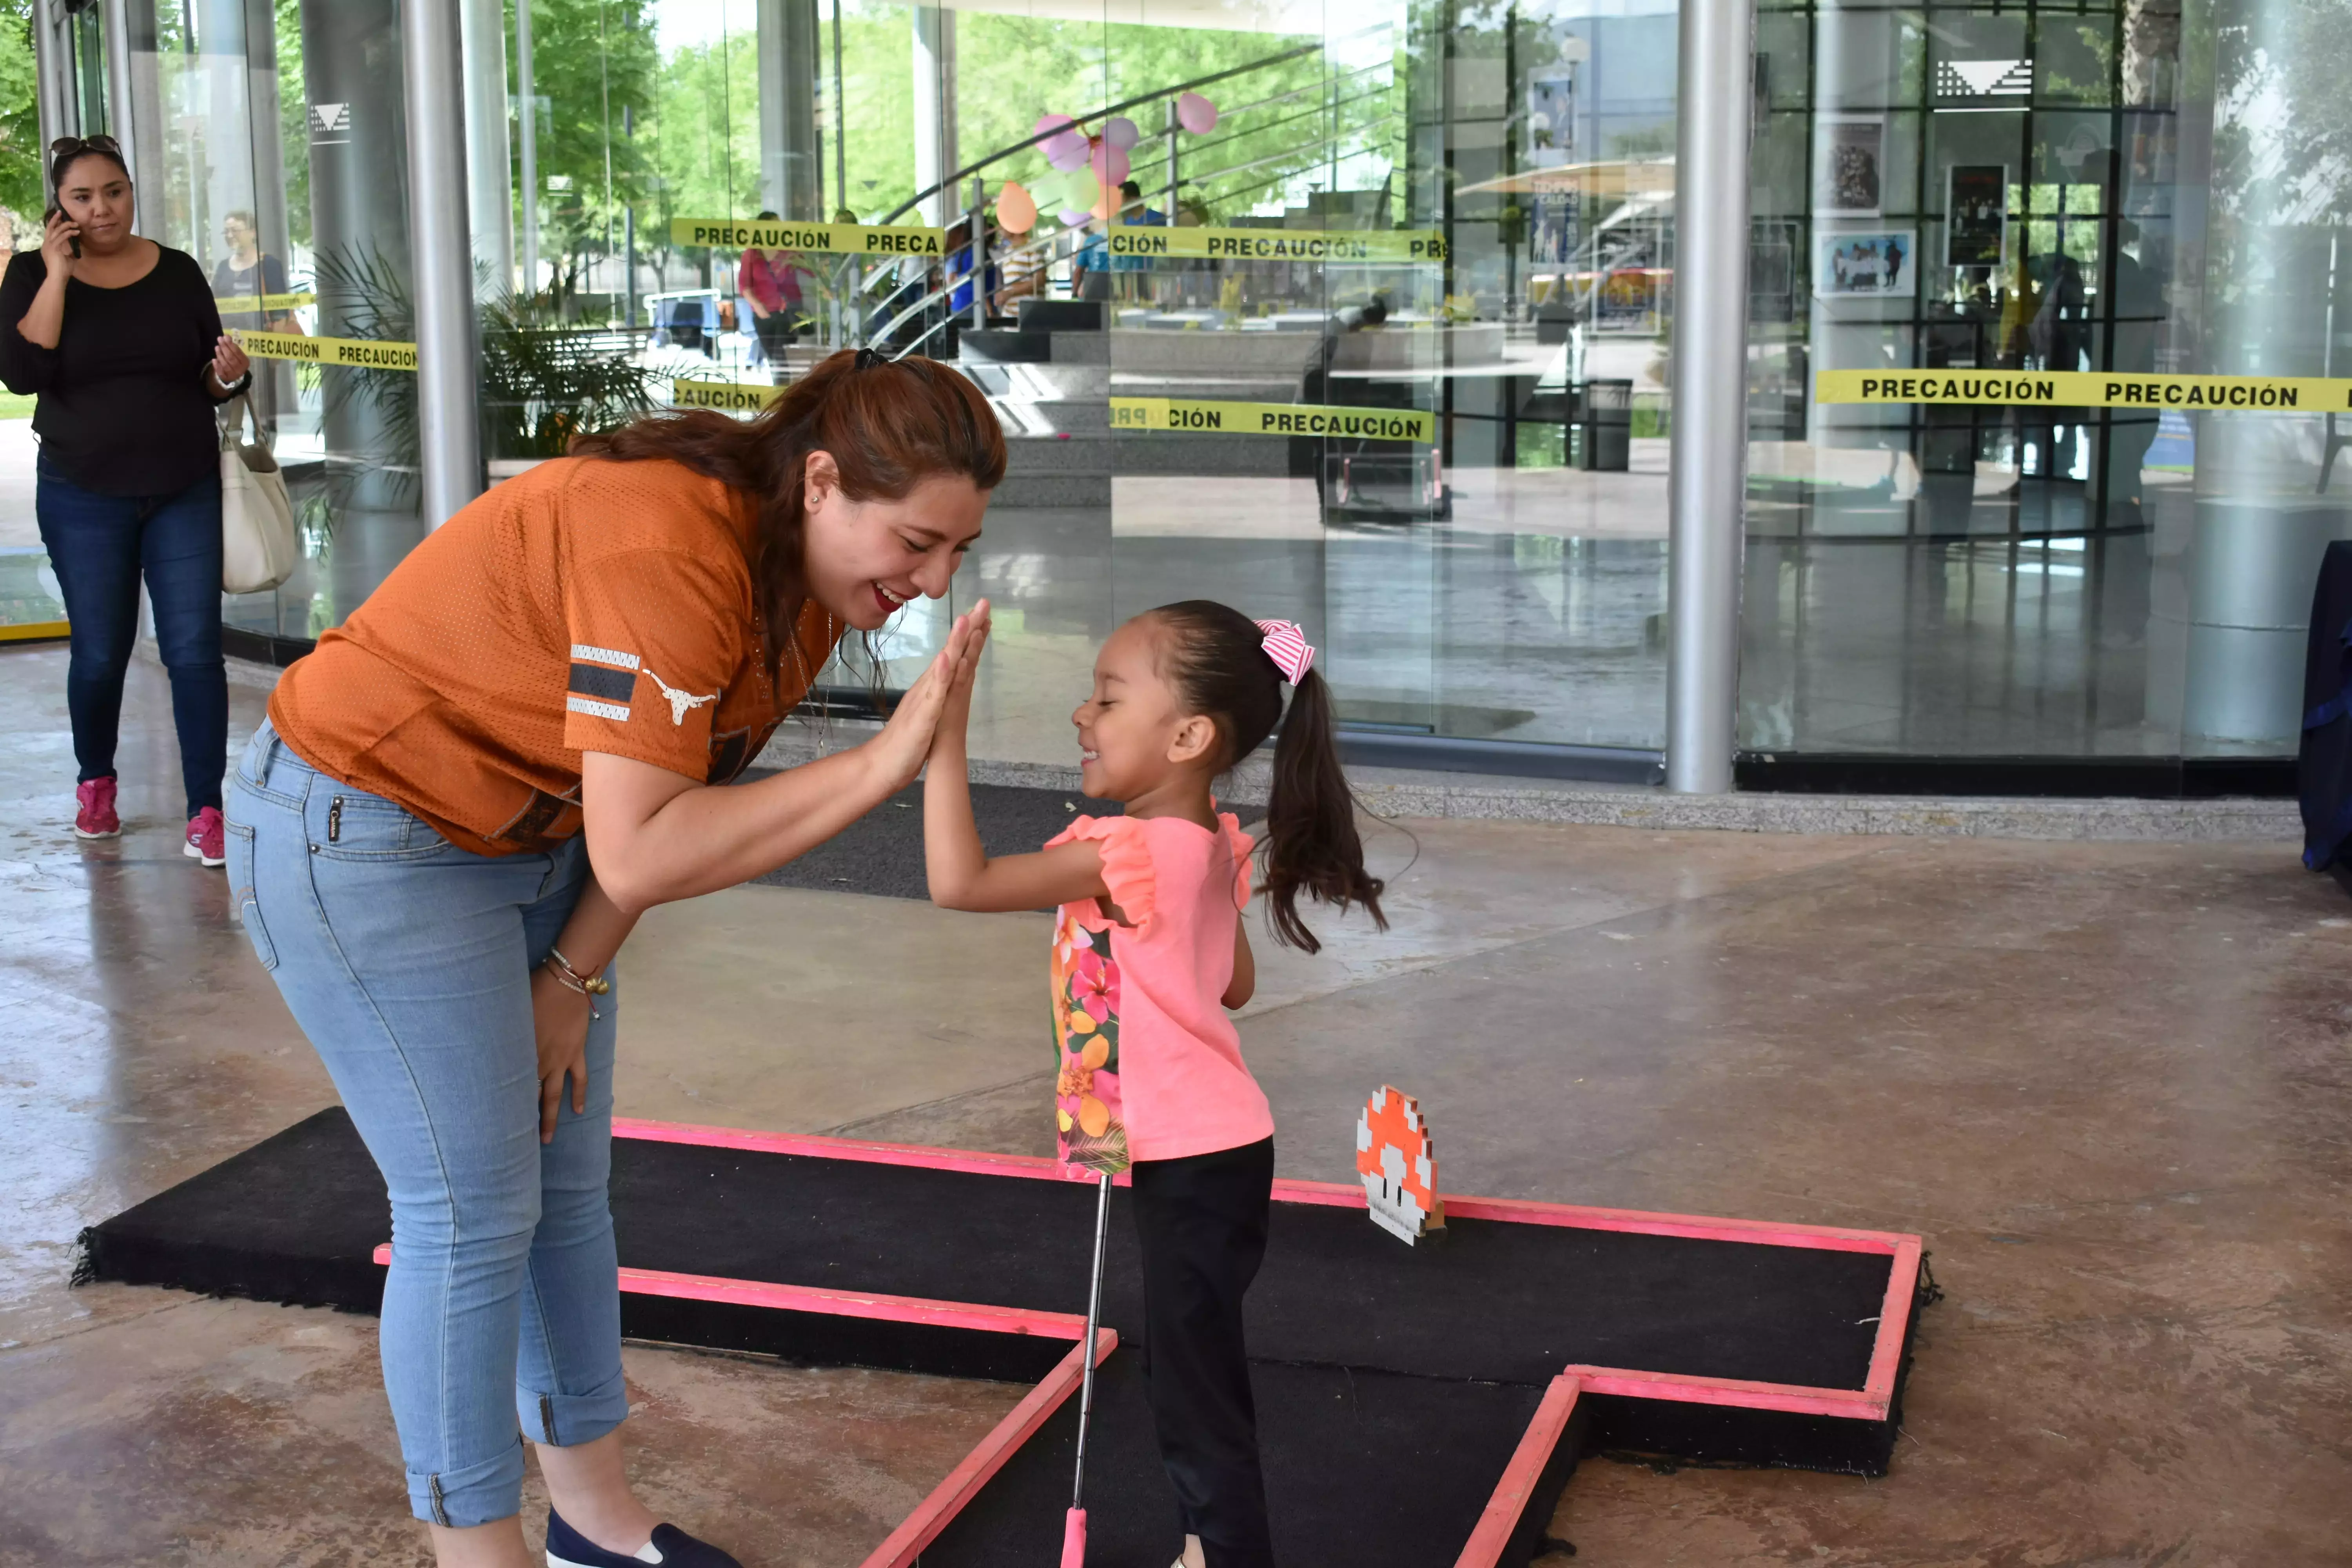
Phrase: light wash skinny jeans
[408,962]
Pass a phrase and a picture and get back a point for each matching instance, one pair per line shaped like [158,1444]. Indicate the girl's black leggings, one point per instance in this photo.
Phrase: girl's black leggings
[1202,1222]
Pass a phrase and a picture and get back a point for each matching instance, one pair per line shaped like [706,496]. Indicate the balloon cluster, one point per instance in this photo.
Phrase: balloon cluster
[1086,170]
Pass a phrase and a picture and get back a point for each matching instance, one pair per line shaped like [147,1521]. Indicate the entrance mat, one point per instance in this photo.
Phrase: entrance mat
[1526,1334]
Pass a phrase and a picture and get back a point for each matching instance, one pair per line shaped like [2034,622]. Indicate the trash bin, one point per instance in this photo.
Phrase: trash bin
[1605,428]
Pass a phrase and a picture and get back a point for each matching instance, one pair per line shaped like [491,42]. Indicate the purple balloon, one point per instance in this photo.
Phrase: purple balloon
[1072,217]
[1119,132]
[1066,148]
[1196,113]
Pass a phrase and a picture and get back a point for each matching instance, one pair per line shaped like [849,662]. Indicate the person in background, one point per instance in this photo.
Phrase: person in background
[1090,269]
[1134,272]
[118,339]
[770,289]
[250,273]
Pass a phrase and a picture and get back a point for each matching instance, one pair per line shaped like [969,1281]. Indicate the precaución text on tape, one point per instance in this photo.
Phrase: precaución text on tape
[368,354]
[849,238]
[1273,419]
[2087,389]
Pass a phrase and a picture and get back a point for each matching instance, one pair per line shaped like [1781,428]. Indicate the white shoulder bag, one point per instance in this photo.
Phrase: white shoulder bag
[259,548]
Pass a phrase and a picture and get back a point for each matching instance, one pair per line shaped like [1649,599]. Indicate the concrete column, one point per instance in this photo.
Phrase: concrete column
[223,145]
[1708,384]
[791,166]
[359,214]
[935,115]
[490,173]
[448,421]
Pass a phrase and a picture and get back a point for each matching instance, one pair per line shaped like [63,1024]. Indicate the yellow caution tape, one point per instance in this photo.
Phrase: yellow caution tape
[850,238]
[1278,244]
[368,354]
[1273,419]
[236,304]
[2087,389]
[735,396]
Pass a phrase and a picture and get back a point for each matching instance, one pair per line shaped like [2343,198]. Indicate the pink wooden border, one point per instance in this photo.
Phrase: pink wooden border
[1510,1503]
[1341,1194]
[844,1303]
[1685,1389]
[920,1528]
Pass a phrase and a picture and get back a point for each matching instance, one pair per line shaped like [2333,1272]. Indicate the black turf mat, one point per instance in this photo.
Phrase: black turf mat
[882,852]
[295,1218]
[1364,1469]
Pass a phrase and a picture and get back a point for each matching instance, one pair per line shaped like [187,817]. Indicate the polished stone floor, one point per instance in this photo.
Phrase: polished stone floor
[2108,1083]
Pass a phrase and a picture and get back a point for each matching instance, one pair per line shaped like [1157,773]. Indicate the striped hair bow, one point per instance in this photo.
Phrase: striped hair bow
[1287,644]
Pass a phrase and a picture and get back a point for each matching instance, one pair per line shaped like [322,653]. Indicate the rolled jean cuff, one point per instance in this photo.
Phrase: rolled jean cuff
[568,1420]
[478,1494]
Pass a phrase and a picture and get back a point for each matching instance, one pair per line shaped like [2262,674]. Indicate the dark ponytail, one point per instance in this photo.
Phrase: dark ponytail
[1217,662]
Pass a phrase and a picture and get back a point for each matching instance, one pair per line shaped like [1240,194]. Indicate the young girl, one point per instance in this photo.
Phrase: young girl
[1149,953]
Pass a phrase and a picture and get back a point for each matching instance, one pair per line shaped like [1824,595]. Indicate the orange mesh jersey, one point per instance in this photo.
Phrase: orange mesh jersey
[588,606]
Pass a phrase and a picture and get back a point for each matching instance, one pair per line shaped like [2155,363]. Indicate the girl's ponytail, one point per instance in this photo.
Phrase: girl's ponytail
[1312,846]
[1218,659]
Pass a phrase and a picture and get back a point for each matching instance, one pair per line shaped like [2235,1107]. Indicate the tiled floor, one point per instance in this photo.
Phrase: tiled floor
[2108,1083]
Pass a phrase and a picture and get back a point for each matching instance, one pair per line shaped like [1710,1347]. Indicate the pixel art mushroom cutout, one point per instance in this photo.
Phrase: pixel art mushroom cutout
[1397,1162]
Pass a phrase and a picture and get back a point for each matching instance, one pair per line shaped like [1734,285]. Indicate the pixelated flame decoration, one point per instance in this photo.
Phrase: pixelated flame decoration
[1397,1162]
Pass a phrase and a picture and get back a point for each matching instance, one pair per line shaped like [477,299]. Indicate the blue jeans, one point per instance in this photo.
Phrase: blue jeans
[407,962]
[100,544]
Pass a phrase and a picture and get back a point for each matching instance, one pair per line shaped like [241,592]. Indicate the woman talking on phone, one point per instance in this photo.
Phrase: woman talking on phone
[119,338]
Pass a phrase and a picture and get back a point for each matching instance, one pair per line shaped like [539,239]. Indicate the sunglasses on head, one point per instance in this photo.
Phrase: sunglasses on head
[65,146]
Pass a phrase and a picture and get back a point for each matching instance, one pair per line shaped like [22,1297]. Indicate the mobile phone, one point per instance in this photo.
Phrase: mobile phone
[74,240]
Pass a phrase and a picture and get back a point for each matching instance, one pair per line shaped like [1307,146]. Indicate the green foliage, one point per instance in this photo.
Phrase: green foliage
[21,181]
[293,120]
[594,64]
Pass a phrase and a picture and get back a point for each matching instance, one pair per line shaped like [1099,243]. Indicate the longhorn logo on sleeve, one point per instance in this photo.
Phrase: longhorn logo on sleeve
[680,702]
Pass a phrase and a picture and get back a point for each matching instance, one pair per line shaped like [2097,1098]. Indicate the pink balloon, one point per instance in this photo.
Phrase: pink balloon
[1016,210]
[1119,132]
[1110,163]
[1066,148]
[1196,113]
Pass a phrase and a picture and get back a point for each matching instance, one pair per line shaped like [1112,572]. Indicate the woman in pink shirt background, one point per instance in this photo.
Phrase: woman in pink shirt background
[1150,951]
[770,285]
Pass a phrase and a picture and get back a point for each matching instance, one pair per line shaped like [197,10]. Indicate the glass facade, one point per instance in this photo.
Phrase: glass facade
[1378,339]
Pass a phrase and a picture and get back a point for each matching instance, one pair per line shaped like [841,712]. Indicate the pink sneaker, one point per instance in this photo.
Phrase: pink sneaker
[94,814]
[206,837]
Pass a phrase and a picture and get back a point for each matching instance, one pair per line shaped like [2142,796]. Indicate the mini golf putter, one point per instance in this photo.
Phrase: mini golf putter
[1397,1162]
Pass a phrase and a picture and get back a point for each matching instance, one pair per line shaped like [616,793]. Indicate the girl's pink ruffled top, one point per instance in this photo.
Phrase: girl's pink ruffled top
[1150,1065]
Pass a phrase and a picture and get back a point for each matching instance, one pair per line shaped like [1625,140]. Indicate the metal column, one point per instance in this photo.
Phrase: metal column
[527,109]
[935,112]
[135,111]
[490,173]
[448,424]
[53,89]
[792,177]
[1709,396]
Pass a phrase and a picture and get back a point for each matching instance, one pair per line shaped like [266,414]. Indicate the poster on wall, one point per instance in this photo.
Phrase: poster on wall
[1554,235]
[1853,172]
[1878,264]
[1976,215]
[1551,117]
[1626,301]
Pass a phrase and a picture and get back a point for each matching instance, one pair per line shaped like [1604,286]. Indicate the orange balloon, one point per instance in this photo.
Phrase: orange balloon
[1016,209]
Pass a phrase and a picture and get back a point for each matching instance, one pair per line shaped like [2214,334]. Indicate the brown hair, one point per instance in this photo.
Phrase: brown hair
[1215,657]
[888,425]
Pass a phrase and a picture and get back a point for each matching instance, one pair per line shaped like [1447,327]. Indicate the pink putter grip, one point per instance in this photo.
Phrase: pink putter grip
[1074,1538]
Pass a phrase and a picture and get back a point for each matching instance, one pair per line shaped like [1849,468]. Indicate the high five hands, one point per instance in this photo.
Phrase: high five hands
[943,695]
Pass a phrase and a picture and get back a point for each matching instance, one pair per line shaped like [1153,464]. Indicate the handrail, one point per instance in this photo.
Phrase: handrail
[1152,97]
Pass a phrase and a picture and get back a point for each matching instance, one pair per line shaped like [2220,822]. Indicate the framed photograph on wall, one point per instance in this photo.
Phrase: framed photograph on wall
[1867,264]
[1976,215]
[1850,164]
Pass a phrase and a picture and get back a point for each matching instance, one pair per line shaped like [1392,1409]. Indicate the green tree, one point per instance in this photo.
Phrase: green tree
[593,67]
[22,191]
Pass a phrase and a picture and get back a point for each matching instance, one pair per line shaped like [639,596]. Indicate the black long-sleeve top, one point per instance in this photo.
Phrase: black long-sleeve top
[123,409]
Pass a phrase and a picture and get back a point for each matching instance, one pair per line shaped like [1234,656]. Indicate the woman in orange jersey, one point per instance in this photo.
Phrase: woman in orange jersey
[464,799]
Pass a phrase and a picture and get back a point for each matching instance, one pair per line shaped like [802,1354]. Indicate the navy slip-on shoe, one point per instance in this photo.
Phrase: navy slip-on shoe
[672,1547]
